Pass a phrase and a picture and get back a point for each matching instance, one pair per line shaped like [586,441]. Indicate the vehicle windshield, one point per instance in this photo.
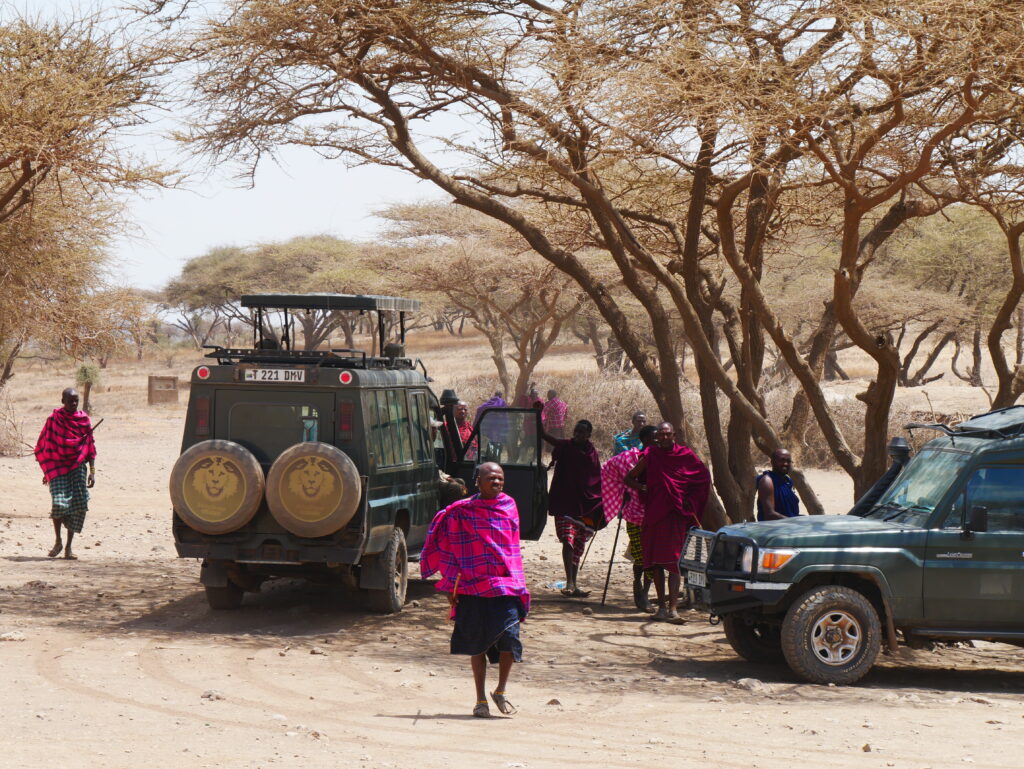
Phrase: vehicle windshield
[920,487]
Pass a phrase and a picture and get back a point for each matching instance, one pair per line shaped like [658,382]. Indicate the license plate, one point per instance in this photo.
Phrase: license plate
[696,578]
[275,375]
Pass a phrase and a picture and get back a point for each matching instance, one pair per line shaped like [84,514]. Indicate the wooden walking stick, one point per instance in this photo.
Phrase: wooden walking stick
[608,577]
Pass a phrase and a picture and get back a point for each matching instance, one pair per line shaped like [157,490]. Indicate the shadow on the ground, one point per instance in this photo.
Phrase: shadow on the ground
[612,647]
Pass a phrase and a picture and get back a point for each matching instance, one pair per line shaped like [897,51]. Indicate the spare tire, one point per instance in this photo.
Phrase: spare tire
[216,486]
[313,489]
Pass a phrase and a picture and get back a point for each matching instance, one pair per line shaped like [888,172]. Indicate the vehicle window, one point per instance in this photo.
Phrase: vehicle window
[999,490]
[920,487]
[400,427]
[509,438]
[267,429]
[382,428]
[420,427]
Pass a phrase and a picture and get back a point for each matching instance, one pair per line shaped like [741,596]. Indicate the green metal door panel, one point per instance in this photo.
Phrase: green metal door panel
[977,582]
[977,579]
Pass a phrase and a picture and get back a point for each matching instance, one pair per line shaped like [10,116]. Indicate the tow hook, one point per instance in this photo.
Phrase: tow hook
[714,619]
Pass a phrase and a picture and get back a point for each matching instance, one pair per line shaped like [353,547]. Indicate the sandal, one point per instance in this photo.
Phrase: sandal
[481,710]
[506,707]
[55,550]
[673,617]
[575,593]
[69,556]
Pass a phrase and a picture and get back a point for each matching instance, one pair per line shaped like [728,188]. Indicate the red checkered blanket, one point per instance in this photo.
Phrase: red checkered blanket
[65,443]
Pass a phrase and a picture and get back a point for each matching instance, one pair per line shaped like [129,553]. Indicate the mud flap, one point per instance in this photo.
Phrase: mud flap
[213,574]
[373,573]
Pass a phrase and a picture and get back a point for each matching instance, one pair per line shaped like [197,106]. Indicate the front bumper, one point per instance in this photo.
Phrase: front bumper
[725,595]
[711,568]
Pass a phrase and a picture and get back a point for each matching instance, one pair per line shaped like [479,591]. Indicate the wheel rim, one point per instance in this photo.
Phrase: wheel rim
[399,574]
[836,638]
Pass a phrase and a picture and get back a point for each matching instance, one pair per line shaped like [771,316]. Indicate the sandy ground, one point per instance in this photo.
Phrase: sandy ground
[123,665]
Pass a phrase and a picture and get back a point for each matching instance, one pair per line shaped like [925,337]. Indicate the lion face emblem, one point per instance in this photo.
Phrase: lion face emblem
[310,479]
[216,477]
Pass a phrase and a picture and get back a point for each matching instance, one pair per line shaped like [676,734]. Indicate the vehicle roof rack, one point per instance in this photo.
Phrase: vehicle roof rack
[352,302]
[342,358]
[1002,423]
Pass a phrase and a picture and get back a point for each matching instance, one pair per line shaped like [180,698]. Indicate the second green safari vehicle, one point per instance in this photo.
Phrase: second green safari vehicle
[935,552]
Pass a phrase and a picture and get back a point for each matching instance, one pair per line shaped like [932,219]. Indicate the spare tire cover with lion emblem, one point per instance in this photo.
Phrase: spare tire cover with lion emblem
[313,489]
[216,486]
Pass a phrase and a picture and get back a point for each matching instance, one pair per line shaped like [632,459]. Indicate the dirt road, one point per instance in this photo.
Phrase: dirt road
[122,665]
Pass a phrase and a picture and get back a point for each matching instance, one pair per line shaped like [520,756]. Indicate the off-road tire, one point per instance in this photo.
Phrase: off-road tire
[395,560]
[754,642]
[228,596]
[853,648]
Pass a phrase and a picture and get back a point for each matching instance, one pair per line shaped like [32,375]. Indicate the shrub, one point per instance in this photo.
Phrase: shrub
[12,438]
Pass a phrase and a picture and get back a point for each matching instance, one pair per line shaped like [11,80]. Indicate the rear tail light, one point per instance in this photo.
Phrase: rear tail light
[202,417]
[346,420]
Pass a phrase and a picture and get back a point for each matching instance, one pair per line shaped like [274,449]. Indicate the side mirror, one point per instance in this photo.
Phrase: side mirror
[977,520]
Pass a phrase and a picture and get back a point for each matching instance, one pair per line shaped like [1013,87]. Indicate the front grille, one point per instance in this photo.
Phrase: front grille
[698,548]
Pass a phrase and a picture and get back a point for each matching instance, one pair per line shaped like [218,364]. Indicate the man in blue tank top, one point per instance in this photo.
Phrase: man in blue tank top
[775,496]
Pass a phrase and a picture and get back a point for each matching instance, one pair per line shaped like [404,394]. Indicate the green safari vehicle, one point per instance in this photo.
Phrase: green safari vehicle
[327,464]
[933,552]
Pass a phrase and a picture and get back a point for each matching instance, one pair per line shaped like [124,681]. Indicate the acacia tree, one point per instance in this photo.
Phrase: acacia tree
[680,141]
[204,299]
[69,90]
[43,300]
[516,299]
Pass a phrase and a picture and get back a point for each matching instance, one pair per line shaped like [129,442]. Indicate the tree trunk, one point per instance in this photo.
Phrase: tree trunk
[915,348]
[7,370]
[1018,358]
[920,377]
[1010,379]
[600,351]
[811,502]
[976,356]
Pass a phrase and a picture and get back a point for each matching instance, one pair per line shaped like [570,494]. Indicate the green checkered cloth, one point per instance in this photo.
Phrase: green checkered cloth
[636,549]
[70,498]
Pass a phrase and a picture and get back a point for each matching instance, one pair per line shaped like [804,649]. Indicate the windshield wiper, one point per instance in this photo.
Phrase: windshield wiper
[887,506]
[906,509]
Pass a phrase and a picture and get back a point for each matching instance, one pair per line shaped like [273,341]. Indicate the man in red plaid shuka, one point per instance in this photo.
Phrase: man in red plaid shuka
[474,544]
[64,447]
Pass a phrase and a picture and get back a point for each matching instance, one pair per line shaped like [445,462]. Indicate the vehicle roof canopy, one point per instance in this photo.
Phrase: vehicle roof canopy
[363,302]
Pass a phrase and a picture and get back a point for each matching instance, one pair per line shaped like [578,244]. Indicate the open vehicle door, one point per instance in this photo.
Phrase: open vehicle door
[512,438]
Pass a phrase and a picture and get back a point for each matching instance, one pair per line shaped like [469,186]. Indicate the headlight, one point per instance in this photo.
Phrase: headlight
[773,559]
[747,559]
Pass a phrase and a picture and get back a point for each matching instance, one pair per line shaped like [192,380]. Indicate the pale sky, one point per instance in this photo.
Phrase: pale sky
[303,195]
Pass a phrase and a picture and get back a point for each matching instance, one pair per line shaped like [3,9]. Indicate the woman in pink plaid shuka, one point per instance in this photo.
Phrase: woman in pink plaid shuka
[474,545]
